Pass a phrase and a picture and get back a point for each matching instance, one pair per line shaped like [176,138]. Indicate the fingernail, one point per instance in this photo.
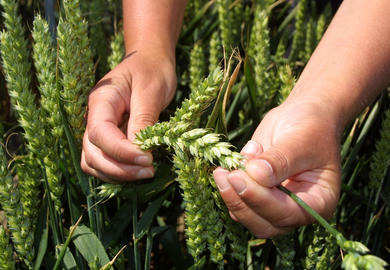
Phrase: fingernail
[261,170]
[143,160]
[251,148]
[238,184]
[145,173]
[220,177]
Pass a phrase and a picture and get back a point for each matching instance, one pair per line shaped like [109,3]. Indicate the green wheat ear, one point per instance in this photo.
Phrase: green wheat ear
[381,158]
[7,260]
[259,52]
[117,49]
[196,151]
[197,65]
[75,63]
[45,64]
[215,51]
[225,24]
[19,223]
[24,202]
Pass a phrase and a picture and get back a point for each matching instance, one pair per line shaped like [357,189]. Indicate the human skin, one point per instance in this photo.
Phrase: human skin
[140,87]
[297,144]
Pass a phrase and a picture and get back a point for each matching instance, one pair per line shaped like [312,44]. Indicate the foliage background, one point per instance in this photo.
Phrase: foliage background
[274,45]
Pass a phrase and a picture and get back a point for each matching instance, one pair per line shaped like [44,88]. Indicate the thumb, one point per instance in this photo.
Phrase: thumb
[279,162]
[145,109]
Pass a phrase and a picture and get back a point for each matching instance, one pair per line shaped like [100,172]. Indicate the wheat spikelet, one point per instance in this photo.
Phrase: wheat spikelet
[76,65]
[45,64]
[17,69]
[225,24]
[215,51]
[381,157]
[97,35]
[117,49]
[19,223]
[259,51]
[197,65]
[299,33]
[7,262]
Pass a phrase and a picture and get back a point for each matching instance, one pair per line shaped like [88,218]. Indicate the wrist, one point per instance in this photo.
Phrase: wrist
[152,47]
[156,49]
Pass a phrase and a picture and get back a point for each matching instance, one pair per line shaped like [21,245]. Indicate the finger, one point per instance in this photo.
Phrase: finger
[146,105]
[279,162]
[252,149]
[102,131]
[270,203]
[100,162]
[246,216]
[93,172]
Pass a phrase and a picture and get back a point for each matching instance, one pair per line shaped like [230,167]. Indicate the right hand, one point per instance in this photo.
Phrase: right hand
[140,87]
[296,145]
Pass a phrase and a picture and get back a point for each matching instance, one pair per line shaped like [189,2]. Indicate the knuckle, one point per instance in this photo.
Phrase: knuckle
[265,232]
[236,206]
[285,221]
[279,164]
[84,166]
[144,119]
[89,160]
[93,133]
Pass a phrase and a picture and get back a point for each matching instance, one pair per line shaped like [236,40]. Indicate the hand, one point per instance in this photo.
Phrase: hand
[138,89]
[297,146]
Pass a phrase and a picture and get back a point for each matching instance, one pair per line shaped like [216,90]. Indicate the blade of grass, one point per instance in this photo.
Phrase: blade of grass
[67,242]
[89,245]
[250,80]
[134,211]
[348,165]
[148,190]
[111,263]
[233,105]
[71,207]
[171,245]
[118,224]
[54,224]
[149,243]
[240,130]
[82,178]
[148,216]
[211,123]
[42,245]
[194,22]
[229,88]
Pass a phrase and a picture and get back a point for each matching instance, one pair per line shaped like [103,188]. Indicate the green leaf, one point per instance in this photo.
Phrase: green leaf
[227,93]
[42,247]
[89,245]
[149,243]
[171,246]
[147,218]
[200,15]
[118,224]
[250,80]
[69,261]
[148,190]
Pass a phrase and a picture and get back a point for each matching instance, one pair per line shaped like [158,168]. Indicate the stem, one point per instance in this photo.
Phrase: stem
[314,214]
[52,213]
[135,229]
[63,249]
[83,180]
